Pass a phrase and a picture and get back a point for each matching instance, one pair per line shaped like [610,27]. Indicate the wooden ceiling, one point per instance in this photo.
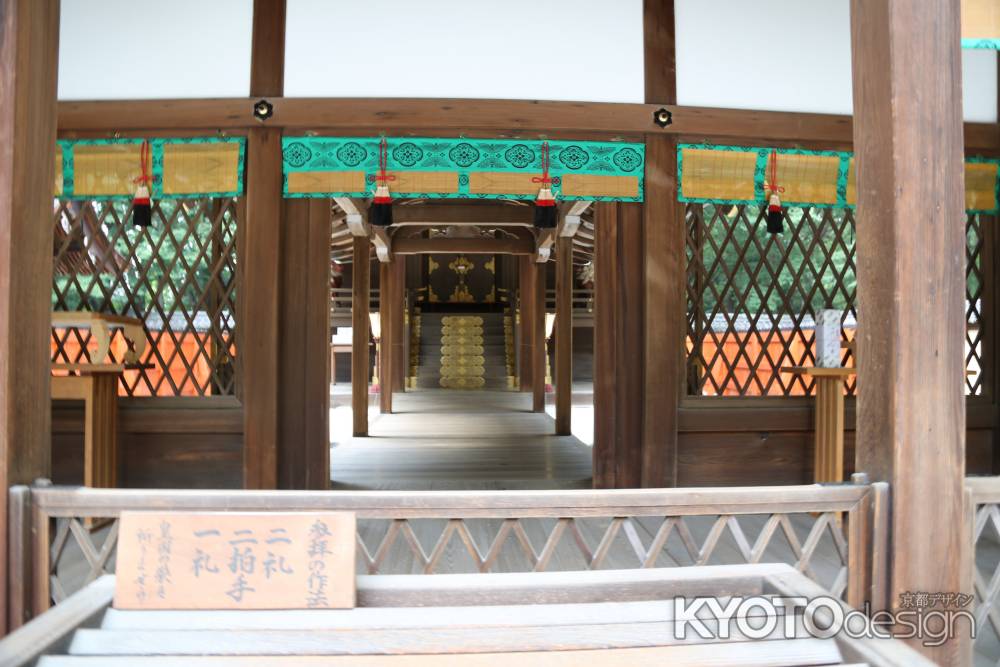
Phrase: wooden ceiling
[498,226]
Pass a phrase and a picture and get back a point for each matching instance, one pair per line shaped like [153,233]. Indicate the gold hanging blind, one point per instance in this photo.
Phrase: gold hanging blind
[738,175]
[980,24]
[179,168]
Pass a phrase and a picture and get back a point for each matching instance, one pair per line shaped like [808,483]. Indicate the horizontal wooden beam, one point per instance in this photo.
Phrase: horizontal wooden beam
[453,116]
[411,246]
[479,214]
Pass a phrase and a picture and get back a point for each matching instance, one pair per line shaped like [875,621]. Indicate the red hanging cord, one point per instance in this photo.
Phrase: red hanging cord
[383,163]
[544,180]
[773,174]
[144,155]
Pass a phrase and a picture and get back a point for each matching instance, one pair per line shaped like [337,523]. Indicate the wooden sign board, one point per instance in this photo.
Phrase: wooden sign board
[235,560]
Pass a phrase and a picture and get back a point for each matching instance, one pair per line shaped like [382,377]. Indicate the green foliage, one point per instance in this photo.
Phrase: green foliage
[807,268]
[168,266]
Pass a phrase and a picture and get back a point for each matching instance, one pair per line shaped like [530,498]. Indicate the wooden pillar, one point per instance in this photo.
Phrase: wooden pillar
[262,258]
[386,356]
[360,282]
[304,396]
[564,335]
[261,309]
[911,289]
[664,261]
[619,326]
[538,342]
[29,52]
[526,299]
[401,339]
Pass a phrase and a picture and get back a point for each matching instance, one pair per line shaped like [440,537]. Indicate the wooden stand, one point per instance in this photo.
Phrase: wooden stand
[828,464]
[97,386]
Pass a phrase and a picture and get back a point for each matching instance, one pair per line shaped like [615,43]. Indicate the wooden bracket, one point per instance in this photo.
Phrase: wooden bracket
[355,218]
[543,246]
[383,244]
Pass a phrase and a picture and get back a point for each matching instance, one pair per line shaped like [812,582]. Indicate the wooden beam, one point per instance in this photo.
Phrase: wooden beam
[304,397]
[911,290]
[267,52]
[29,53]
[564,336]
[479,214]
[360,282]
[417,246]
[665,280]
[517,118]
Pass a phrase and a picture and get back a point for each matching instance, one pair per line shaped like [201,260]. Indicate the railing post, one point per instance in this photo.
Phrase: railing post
[40,533]
[19,560]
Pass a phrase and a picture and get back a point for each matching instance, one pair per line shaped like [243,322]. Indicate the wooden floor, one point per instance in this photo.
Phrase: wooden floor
[445,439]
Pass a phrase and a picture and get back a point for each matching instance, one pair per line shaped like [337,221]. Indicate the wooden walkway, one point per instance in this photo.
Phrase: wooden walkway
[440,439]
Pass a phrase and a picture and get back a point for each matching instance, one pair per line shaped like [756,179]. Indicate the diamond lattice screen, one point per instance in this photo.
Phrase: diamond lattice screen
[178,276]
[752,297]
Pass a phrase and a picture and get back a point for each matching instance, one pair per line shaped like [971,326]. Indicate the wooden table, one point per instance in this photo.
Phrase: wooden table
[828,462]
[101,326]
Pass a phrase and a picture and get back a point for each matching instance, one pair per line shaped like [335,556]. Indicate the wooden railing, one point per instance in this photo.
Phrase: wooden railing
[582,300]
[984,497]
[826,532]
[340,305]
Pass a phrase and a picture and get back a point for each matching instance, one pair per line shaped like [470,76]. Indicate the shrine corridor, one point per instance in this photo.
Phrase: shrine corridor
[451,440]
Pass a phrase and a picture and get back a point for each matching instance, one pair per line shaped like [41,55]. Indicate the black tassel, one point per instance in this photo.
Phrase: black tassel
[775,216]
[775,222]
[380,214]
[545,216]
[142,211]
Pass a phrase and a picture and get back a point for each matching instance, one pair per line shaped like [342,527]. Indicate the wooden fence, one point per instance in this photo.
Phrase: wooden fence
[65,537]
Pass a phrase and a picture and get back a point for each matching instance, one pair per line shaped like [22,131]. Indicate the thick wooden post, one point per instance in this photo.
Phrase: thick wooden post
[911,289]
[262,258]
[664,244]
[619,319]
[386,357]
[538,341]
[261,278]
[564,335]
[304,397]
[29,53]
[526,282]
[360,283]
[401,339]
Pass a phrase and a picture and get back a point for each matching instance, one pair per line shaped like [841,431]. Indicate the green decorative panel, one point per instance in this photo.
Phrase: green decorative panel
[600,171]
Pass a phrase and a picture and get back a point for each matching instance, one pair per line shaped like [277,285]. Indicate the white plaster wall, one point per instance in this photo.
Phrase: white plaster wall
[143,49]
[789,55]
[516,49]
[783,55]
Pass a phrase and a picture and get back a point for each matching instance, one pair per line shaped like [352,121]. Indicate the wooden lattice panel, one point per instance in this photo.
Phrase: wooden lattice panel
[974,380]
[178,276]
[752,297]
[815,544]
